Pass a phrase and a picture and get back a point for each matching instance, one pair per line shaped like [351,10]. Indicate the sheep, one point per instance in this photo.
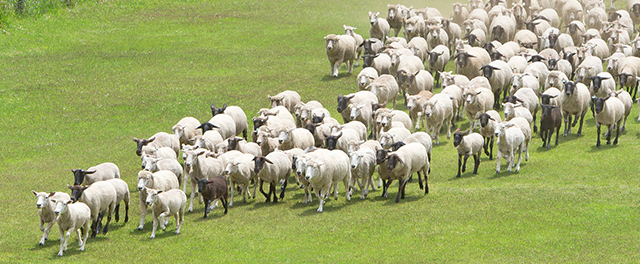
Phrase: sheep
[318,131]
[350,31]
[289,98]
[340,48]
[237,143]
[240,171]
[454,31]
[100,172]
[477,37]
[550,57]
[477,100]
[480,14]
[438,59]
[341,140]
[71,216]
[353,99]
[559,42]
[522,80]
[467,145]
[576,29]
[628,71]
[626,101]
[517,64]
[211,190]
[633,7]
[381,62]
[394,17]
[201,167]
[379,27]
[488,121]
[209,140]
[222,123]
[539,70]
[506,51]
[510,140]
[158,140]
[526,38]
[595,17]
[280,112]
[363,164]
[469,26]
[609,111]
[238,116]
[358,126]
[324,172]
[419,47]
[161,180]
[555,79]
[46,209]
[385,88]
[529,101]
[450,79]
[512,110]
[575,101]
[405,61]
[164,204]
[122,192]
[164,152]
[362,113]
[405,161]
[158,164]
[602,84]
[416,82]
[503,29]
[272,169]
[414,105]
[392,136]
[499,74]
[386,119]
[550,15]
[437,110]
[468,62]
[520,14]
[551,119]
[365,77]
[572,10]
[414,27]
[437,36]
[185,129]
[303,110]
[459,13]
[101,197]
[295,138]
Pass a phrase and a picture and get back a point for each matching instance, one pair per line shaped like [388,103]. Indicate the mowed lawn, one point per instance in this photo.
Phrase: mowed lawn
[79,83]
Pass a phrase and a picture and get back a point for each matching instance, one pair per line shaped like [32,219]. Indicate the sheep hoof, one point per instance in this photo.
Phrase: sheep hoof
[41,243]
[60,254]
[152,236]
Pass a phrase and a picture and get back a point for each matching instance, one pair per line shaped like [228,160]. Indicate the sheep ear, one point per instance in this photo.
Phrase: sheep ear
[69,186]
[151,139]
[135,139]
[159,191]
[90,172]
[478,92]
[268,161]
[553,96]
[34,192]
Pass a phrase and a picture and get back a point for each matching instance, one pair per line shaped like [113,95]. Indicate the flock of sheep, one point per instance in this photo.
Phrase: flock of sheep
[507,55]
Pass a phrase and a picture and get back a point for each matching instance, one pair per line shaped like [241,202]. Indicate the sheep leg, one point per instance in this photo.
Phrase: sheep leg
[510,160]
[459,165]
[476,162]
[272,190]
[420,180]
[265,194]
[106,226]
[496,100]
[542,136]
[566,123]
[47,229]
[535,127]
[486,146]
[232,192]
[155,226]
[610,130]
[284,187]
[464,164]
[207,202]
[581,122]
[400,190]
[85,235]
[615,141]
[519,157]
[498,157]
[598,130]
[117,216]
[193,193]
[143,210]
[63,242]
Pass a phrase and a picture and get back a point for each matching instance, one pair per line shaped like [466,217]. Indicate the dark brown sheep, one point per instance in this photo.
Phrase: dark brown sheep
[212,189]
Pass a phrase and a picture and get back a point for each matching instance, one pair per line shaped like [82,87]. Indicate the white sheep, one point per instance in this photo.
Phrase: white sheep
[392,136]
[394,17]
[240,171]
[419,47]
[365,77]
[164,153]
[437,36]
[414,27]
[353,99]
[288,98]
[381,62]
[295,138]
[238,116]
[468,145]
[602,85]
[222,123]
[100,172]
[522,80]
[363,114]
[555,79]
[516,110]
[488,121]
[595,17]
[599,48]
[101,197]
[164,204]
[517,64]
[530,101]
[414,105]
[477,37]
[209,140]
[72,216]
[447,78]
[589,67]
[327,171]
[341,140]
[438,110]
[340,48]
[572,10]
[526,38]
[201,167]
[348,30]
[161,180]
[122,194]
[510,140]
[358,126]
[279,111]
[158,164]
[575,102]
[45,210]
[186,129]
[386,119]
[405,161]
[500,75]
[385,88]
[415,82]
[437,60]
[539,70]
[363,164]
[609,111]
[625,97]
[158,140]
[422,138]
[379,27]
[469,61]
[477,100]
[272,169]
[459,13]
[243,146]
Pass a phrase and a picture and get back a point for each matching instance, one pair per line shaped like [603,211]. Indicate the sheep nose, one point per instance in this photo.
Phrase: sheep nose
[56,212]
[140,188]
[39,205]
[148,203]
[353,166]
[142,167]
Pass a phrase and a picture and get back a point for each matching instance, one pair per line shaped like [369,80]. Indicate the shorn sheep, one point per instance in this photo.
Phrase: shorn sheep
[272,169]
[101,197]
[100,172]
[46,210]
[327,171]
[468,145]
[609,112]
[340,48]
[510,140]
[164,204]
[438,110]
[72,216]
[161,180]
[405,161]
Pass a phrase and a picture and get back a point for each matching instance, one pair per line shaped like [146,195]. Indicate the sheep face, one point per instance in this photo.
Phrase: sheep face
[150,163]
[141,143]
[216,110]
[471,96]
[259,163]
[76,192]
[500,128]
[457,8]
[301,166]
[553,40]
[599,104]
[61,206]
[332,140]
[508,109]
[152,196]
[278,100]
[381,156]
[552,64]
[42,198]
[312,170]
[596,82]
[355,160]
[386,140]
[178,131]
[487,70]
[373,18]
[367,59]
[206,126]
[343,102]
[401,77]
[636,9]
[317,119]
[516,81]
[484,119]
[546,98]
[412,102]
[392,12]
[355,112]
[284,136]
[569,88]
[393,162]
[386,119]
[143,178]
[433,58]
[202,183]
[79,174]
[497,32]
[363,81]
[330,42]
[463,58]
[233,143]
[546,110]
[623,78]
[262,138]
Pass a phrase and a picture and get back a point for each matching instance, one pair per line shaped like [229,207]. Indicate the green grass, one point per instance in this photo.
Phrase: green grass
[79,83]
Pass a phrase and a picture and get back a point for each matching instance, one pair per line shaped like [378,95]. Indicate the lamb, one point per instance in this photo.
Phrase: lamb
[392,136]
[289,98]
[394,17]
[414,27]
[272,169]
[100,172]
[185,129]
[405,161]
[414,105]
[353,99]
[516,110]
[488,121]
[155,164]
[237,143]
[437,110]
[71,216]
[222,123]
[385,88]
[240,171]
[499,74]
[340,48]
[510,140]
[529,101]
[379,27]
[468,62]
[365,77]
[551,119]
[477,100]
[609,111]
[161,180]
[202,167]
[238,116]
[363,164]
[158,140]
[467,145]
[211,190]
[100,197]
[575,101]
[164,204]
[381,62]
[326,171]
[46,208]
[602,84]
[295,138]
[350,31]
[438,59]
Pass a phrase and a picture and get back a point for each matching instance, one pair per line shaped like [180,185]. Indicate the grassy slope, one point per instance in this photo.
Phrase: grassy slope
[80,83]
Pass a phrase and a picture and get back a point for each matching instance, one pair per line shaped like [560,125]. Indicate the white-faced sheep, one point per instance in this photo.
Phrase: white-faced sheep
[72,216]
[437,36]
[158,164]
[469,61]
[595,17]
[100,172]
[164,152]
[438,110]
[365,77]
[488,121]
[468,145]
[209,140]
[414,105]
[158,140]
[240,171]
[295,138]
[379,27]
[438,59]
[459,13]
[387,119]
[609,112]
[512,110]
[272,169]
[164,204]
[555,79]
[327,171]
[500,75]
[522,80]
[551,119]
[510,140]
[340,48]
[186,129]
[238,116]
[477,100]
[304,112]
[101,197]
[575,102]
[405,161]
[392,136]
[419,47]
[161,180]
[350,31]
[362,113]
[46,208]
[363,164]
[286,98]
[447,78]
[385,88]
[394,17]
[414,27]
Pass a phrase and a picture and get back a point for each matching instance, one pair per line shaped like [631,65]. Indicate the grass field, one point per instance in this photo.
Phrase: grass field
[79,83]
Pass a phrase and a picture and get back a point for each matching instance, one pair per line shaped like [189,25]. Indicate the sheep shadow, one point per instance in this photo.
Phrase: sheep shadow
[504,173]
[602,147]
[328,206]
[159,234]
[638,135]
[328,78]
[466,175]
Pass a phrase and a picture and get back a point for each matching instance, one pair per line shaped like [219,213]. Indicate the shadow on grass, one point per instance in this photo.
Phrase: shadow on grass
[328,206]
[503,170]
[328,78]
[603,146]
[464,175]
